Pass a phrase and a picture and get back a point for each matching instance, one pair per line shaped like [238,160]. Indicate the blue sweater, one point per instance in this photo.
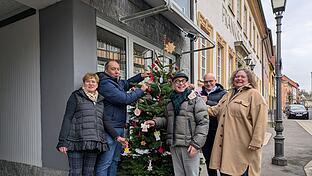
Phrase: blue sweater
[116,97]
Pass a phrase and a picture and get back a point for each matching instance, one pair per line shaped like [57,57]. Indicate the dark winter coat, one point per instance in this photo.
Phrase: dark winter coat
[189,127]
[213,99]
[84,125]
[117,98]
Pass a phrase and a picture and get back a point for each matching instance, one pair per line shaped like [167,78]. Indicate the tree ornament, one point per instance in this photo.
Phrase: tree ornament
[137,112]
[126,151]
[157,135]
[161,149]
[150,167]
[161,80]
[143,143]
[144,127]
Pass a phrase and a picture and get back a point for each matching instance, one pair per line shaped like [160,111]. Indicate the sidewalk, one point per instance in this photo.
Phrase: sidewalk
[298,150]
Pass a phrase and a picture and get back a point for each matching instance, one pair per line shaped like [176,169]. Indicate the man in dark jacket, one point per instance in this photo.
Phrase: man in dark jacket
[116,99]
[211,92]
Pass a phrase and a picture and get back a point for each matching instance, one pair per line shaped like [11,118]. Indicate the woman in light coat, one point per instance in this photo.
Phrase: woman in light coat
[242,115]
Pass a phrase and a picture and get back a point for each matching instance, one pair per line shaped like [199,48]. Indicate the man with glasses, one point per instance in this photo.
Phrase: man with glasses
[211,92]
[187,125]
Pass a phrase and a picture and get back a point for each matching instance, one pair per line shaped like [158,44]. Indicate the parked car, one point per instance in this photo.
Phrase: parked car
[296,111]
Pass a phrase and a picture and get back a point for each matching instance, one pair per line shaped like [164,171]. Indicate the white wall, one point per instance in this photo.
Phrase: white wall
[20,121]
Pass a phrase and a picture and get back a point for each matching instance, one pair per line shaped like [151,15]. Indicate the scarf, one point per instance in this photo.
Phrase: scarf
[177,99]
[92,95]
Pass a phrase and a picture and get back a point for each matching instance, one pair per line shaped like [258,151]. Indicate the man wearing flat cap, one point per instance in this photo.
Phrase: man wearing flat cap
[187,126]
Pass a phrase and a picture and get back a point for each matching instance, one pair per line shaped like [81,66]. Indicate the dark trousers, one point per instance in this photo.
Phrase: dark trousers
[244,174]
[81,163]
[207,151]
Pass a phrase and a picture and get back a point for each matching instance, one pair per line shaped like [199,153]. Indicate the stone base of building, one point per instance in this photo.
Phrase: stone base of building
[9,168]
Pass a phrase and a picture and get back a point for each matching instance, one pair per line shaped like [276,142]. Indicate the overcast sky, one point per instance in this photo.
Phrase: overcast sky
[296,39]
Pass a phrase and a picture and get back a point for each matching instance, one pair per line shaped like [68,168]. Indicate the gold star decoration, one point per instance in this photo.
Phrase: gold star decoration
[169,47]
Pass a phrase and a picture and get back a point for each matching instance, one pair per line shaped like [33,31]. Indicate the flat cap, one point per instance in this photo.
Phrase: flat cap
[180,75]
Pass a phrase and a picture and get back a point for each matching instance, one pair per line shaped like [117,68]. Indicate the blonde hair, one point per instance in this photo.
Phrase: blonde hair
[88,76]
[250,77]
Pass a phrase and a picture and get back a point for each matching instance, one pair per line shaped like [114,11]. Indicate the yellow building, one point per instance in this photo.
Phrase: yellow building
[239,30]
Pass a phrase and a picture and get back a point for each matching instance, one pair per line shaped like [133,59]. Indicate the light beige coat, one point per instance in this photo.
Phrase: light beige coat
[242,122]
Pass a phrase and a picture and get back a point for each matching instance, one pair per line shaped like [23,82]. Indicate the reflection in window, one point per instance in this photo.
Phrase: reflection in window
[111,47]
[142,58]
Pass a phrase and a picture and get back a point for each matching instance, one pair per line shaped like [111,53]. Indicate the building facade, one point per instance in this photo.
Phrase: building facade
[290,92]
[242,41]
[46,48]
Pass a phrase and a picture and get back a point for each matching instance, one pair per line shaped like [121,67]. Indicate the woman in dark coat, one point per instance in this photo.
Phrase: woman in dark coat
[82,134]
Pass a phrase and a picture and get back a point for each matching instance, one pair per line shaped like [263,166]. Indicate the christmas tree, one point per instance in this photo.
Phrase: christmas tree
[148,154]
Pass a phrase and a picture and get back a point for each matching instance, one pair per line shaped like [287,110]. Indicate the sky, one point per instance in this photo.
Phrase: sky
[296,39]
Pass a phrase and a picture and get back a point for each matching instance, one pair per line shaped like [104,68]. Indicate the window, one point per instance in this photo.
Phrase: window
[257,44]
[219,63]
[250,28]
[239,12]
[254,37]
[184,6]
[231,64]
[142,58]
[231,3]
[111,47]
[203,58]
[245,20]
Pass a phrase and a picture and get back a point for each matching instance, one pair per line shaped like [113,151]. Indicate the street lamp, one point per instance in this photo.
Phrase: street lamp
[252,65]
[247,60]
[279,159]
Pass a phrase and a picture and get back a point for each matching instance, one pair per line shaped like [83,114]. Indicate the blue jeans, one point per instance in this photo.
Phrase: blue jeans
[107,161]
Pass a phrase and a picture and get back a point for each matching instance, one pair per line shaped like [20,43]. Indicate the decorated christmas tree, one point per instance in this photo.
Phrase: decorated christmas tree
[148,154]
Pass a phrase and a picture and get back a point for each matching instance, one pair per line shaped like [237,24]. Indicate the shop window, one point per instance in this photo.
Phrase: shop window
[111,47]
[142,58]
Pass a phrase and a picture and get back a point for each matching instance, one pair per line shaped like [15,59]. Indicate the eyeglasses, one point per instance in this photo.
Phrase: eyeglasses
[208,81]
[180,81]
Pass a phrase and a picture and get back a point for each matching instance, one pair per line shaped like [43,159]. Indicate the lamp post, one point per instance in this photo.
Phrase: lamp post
[279,159]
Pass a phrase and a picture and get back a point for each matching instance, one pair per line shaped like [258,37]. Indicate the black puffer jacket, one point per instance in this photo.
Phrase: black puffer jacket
[84,123]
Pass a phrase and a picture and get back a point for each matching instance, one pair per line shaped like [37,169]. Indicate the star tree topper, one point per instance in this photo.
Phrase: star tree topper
[169,47]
